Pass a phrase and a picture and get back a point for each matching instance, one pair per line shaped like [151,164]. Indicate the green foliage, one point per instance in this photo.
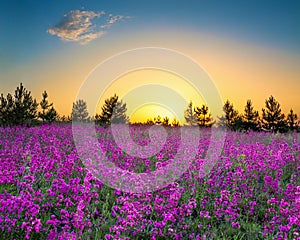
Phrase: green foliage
[203,115]
[291,120]
[250,117]
[64,118]
[6,110]
[20,109]
[231,117]
[272,117]
[113,111]
[79,111]
[25,107]
[47,113]
[189,115]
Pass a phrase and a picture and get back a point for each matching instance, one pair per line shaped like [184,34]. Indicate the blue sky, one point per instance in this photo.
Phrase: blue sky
[26,36]
[24,24]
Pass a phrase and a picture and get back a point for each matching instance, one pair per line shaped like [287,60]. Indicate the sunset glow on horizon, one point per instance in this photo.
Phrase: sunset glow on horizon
[162,119]
[250,51]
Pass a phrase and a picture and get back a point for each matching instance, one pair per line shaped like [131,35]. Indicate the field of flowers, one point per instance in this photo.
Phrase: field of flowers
[253,192]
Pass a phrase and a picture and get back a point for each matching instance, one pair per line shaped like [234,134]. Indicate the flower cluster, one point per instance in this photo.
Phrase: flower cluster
[46,192]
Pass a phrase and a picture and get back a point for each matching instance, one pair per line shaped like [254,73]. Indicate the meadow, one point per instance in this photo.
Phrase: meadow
[46,192]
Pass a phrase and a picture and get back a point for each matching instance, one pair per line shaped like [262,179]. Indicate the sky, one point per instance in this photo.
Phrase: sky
[249,49]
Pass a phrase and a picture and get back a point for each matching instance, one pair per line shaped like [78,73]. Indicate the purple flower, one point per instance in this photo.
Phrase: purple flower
[268,180]
[235,224]
[108,236]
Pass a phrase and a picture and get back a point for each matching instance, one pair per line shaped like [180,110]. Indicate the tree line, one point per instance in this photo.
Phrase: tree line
[21,108]
[272,118]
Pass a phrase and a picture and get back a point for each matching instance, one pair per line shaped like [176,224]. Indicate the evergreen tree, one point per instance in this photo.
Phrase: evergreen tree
[189,115]
[250,117]
[204,118]
[291,120]
[25,107]
[158,120]
[231,118]
[47,113]
[3,111]
[222,121]
[113,111]
[79,111]
[9,110]
[149,121]
[175,122]
[238,124]
[64,118]
[166,121]
[119,113]
[51,115]
[272,117]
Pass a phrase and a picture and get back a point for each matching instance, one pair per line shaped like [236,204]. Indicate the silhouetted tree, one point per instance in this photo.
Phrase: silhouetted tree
[222,121]
[238,124]
[149,121]
[113,111]
[64,118]
[292,120]
[25,107]
[79,111]
[189,115]
[175,122]
[250,117]
[166,121]
[47,113]
[158,120]
[204,117]
[272,118]
[119,113]
[6,110]
[230,119]
[3,112]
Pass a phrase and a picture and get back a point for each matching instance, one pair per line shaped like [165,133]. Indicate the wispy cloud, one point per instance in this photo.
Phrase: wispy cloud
[80,26]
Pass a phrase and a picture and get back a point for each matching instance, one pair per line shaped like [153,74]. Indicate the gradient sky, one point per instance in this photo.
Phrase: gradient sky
[251,49]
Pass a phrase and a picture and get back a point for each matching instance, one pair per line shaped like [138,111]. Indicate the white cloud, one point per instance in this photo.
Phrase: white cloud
[112,20]
[79,26]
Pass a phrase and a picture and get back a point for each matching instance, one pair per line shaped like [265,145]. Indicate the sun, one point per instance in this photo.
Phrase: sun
[150,111]
[152,92]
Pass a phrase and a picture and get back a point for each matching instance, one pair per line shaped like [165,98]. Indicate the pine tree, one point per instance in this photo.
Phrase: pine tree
[204,118]
[231,117]
[119,113]
[3,111]
[113,111]
[250,117]
[272,117]
[47,113]
[166,121]
[149,121]
[25,107]
[64,118]
[51,115]
[79,111]
[6,110]
[291,120]
[158,120]
[175,122]
[190,116]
